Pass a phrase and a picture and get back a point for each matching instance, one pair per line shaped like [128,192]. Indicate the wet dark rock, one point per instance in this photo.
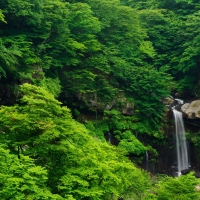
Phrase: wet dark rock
[197,174]
[185,171]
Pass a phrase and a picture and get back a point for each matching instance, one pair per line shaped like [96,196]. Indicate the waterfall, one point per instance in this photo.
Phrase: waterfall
[109,137]
[181,143]
[147,161]
[188,148]
[180,101]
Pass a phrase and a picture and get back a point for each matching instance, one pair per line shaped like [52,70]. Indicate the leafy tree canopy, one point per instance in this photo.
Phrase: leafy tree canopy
[22,179]
[183,187]
[78,165]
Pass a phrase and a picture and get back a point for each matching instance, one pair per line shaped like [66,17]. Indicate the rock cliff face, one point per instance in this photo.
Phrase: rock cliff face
[120,103]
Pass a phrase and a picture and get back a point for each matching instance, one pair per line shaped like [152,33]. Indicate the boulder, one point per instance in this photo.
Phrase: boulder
[185,171]
[128,109]
[168,101]
[192,110]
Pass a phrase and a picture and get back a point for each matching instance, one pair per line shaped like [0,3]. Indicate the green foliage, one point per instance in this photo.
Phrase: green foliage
[9,58]
[84,46]
[79,81]
[195,140]
[149,86]
[182,7]
[123,128]
[158,178]
[78,164]
[183,187]
[76,112]
[96,53]
[51,85]
[148,4]
[2,17]
[97,129]
[131,144]
[22,179]
[158,24]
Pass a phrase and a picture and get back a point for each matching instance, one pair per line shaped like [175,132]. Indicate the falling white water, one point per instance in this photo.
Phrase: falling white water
[180,101]
[109,137]
[147,161]
[181,143]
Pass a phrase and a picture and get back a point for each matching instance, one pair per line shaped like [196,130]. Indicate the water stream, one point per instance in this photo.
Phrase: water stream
[147,161]
[181,143]
[109,137]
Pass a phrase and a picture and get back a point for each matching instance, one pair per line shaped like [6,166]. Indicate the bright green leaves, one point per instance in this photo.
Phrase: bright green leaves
[183,187]
[2,18]
[123,128]
[79,165]
[22,179]
[131,144]
[28,122]
[51,85]
[147,48]
[98,176]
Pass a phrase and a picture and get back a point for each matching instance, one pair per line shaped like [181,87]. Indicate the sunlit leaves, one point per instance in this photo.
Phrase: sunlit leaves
[2,17]
[22,179]
[78,164]
[183,187]
[131,144]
